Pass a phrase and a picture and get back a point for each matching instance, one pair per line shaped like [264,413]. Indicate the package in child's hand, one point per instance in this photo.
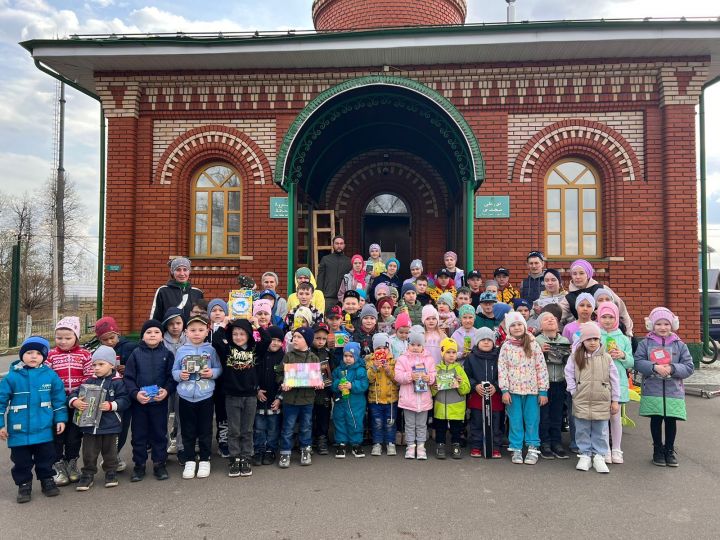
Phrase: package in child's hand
[445,380]
[420,385]
[151,391]
[94,396]
[661,356]
[240,304]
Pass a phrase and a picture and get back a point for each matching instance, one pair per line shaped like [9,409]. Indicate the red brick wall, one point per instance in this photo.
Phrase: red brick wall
[356,14]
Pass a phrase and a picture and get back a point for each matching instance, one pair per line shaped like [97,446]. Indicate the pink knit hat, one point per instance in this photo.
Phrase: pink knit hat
[357,257]
[582,263]
[659,314]
[262,305]
[608,308]
[588,330]
[427,312]
[70,323]
[402,321]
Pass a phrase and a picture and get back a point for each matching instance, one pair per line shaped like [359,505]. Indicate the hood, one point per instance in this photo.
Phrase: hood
[270,292]
[312,279]
[245,325]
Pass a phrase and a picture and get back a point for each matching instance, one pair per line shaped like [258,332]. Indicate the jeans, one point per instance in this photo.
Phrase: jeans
[551,415]
[197,424]
[42,456]
[240,418]
[383,421]
[571,420]
[476,428]
[267,433]
[292,414]
[591,436]
[524,416]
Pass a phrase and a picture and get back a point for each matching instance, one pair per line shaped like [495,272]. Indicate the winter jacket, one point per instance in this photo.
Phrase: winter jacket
[663,396]
[518,374]
[174,294]
[196,388]
[350,283]
[383,388]
[318,299]
[555,365]
[117,395]
[364,339]
[432,345]
[171,344]
[298,396]
[482,366]
[594,387]
[34,400]
[625,345]
[148,367]
[397,346]
[393,281]
[531,287]
[240,372]
[508,294]
[331,271]
[356,375]
[450,404]
[123,349]
[458,277]
[568,304]
[448,323]
[483,321]
[409,398]
[414,311]
[269,367]
[73,366]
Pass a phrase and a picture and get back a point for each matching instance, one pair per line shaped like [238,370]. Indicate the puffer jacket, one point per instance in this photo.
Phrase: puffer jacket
[147,367]
[482,366]
[382,386]
[117,395]
[73,367]
[409,398]
[414,311]
[519,374]
[357,377]
[34,400]
[623,343]
[450,404]
[594,387]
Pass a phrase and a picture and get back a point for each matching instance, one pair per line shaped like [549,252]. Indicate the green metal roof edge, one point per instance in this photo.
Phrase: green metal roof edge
[188,39]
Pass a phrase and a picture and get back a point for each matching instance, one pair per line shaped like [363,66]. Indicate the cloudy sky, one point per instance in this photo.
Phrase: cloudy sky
[27,95]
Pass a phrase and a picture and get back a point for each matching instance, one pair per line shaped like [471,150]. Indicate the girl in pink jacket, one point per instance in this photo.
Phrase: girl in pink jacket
[415,372]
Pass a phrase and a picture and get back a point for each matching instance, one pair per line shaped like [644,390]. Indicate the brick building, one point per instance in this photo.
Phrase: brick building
[574,137]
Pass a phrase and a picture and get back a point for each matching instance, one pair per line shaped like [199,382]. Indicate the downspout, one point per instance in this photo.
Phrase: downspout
[469,227]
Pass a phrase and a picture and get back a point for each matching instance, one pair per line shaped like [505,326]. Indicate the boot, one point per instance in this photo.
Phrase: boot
[24,493]
[49,488]
[322,446]
[440,451]
[659,456]
[73,471]
[671,458]
[61,474]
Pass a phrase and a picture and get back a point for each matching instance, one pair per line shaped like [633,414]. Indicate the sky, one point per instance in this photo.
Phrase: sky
[27,96]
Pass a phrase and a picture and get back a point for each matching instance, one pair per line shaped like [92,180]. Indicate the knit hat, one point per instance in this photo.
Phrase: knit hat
[600,292]
[217,302]
[307,333]
[381,339]
[554,273]
[446,298]
[152,323]
[362,293]
[105,354]
[485,333]
[588,330]
[659,314]
[177,262]
[488,296]
[303,313]
[70,323]
[262,305]
[273,274]
[544,315]
[170,314]
[582,263]
[427,312]
[385,300]
[519,302]
[609,308]
[466,309]
[357,257]
[106,325]
[450,254]
[368,310]
[393,292]
[303,271]
[416,263]
[448,344]
[500,310]
[276,332]
[585,296]
[393,260]
[35,343]
[416,337]
[402,321]
[514,317]
[381,287]
[353,348]
[408,287]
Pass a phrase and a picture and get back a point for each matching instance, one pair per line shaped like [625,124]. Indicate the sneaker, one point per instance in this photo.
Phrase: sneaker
[160,471]
[24,493]
[599,464]
[608,458]
[559,452]
[121,466]
[457,451]
[322,446]
[306,455]
[532,456]
[223,450]
[376,450]
[671,458]
[84,483]
[73,472]
[583,463]
[617,456]
[410,451]
[517,457]
[340,451]
[203,470]
[476,452]
[234,468]
[268,457]
[284,462]
[420,451]
[189,470]
[61,474]
[172,447]
[245,469]
[358,451]
[391,450]
[138,474]
[257,459]
[440,451]
[111,479]
[546,452]
[496,454]
[48,487]
[659,456]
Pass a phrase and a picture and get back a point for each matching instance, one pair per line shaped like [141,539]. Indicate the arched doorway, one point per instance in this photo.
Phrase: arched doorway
[387,222]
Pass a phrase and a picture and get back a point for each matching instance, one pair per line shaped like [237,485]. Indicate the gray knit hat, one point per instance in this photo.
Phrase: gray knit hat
[485,333]
[105,354]
[368,310]
[381,339]
[177,262]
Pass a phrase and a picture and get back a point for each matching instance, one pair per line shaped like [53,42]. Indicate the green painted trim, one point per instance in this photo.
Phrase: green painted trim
[469,227]
[292,236]
[696,351]
[281,167]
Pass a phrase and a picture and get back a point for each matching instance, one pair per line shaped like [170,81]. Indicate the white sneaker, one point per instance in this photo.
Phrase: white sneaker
[608,458]
[599,464]
[421,452]
[517,457]
[410,451]
[617,456]
[189,470]
[172,447]
[583,463]
[391,450]
[532,456]
[203,469]
[121,466]
[376,450]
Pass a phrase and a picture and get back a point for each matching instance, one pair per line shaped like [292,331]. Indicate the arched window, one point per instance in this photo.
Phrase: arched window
[386,203]
[216,215]
[572,210]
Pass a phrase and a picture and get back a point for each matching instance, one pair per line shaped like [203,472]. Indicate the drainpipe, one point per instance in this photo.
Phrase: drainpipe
[292,206]
[469,226]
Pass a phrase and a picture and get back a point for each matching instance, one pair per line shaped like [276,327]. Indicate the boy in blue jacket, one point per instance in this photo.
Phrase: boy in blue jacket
[350,383]
[103,437]
[37,393]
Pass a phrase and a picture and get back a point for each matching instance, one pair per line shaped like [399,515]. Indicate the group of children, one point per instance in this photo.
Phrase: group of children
[477,366]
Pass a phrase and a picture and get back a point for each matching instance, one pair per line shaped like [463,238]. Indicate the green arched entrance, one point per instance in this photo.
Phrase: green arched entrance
[374,113]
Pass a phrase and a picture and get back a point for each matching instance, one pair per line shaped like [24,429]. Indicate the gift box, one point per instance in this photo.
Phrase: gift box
[240,304]
[94,396]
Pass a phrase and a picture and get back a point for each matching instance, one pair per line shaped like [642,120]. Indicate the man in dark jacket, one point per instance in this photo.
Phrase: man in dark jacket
[331,271]
[534,284]
[177,292]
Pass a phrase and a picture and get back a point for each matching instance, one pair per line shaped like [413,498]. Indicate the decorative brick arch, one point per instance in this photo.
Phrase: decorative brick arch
[213,142]
[594,140]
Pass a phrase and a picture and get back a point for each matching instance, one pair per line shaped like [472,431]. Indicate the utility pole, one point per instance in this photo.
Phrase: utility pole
[14,295]
[58,285]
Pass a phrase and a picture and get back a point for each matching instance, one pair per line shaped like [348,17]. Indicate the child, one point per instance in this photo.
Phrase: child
[337,336]
[267,416]
[482,372]
[32,387]
[350,382]
[409,303]
[103,437]
[664,361]
[350,311]
[433,334]
[218,311]
[195,369]
[421,287]
[368,327]
[416,270]
[304,297]
[381,291]
[584,305]
[619,347]
[522,306]
[443,284]
[474,281]
[317,299]
[323,398]
[389,277]
[399,342]
[173,327]
[523,380]
[456,275]
[449,410]
[357,279]
[448,321]
[73,364]
[382,395]
[394,294]
[506,292]
[466,335]
[556,349]
[297,403]
[415,372]
[492,286]
[362,296]
[592,381]
[385,317]
[271,296]
[485,315]
[301,318]
[374,265]
[150,365]
[199,309]
[500,310]
[262,313]
[462,298]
